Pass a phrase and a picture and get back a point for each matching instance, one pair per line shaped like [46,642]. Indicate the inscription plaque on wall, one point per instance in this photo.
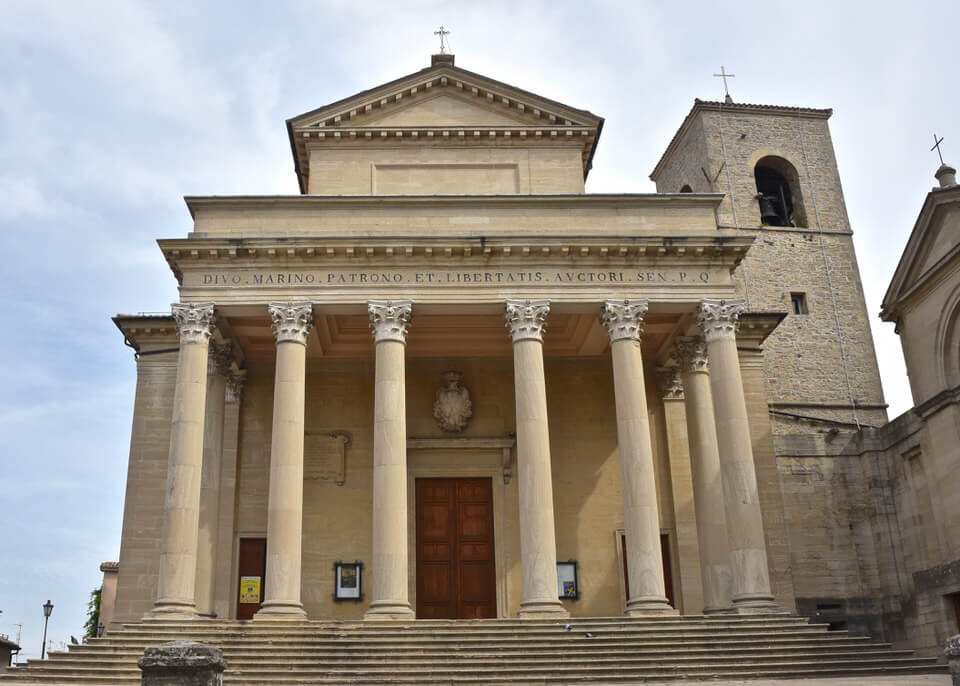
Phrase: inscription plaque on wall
[325,456]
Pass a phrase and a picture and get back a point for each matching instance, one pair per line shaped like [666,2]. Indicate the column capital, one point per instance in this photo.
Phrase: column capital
[220,358]
[194,321]
[291,321]
[390,319]
[624,318]
[668,381]
[719,318]
[235,384]
[692,353]
[526,319]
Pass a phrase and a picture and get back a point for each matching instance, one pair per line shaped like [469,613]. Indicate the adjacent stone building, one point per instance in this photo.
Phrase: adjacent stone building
[444,381]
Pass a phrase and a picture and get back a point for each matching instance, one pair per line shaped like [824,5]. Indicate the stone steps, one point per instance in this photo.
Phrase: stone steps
[489,652]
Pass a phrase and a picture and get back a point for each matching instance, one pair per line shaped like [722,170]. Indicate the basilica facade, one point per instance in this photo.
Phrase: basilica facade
[445,382]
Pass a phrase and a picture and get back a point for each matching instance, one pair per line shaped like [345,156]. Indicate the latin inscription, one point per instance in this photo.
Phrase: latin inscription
[255,279]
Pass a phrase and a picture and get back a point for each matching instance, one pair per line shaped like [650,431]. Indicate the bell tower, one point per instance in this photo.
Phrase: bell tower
[778,173]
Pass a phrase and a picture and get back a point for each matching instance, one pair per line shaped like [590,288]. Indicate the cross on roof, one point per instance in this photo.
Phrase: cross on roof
[936,146]
[443,33]
[724,75]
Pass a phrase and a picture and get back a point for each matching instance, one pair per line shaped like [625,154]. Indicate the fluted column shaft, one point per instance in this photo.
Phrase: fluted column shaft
[218,362]
[389,594]
[719,320]
[538,544]
[176,583]
[641,519]
[708,497]
[291,325]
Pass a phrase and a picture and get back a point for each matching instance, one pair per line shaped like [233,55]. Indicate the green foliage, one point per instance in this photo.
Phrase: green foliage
[93,614]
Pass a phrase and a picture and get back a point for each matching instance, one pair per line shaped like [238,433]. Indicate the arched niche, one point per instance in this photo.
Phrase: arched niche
[778,192]
[686,188]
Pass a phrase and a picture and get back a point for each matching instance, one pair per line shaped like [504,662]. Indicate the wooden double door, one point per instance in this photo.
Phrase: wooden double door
[456,574]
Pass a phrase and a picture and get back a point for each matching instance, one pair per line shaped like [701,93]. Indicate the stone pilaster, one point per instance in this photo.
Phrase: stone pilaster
[688,593]
[225,598]
[218,366]
[390,597]
[538,543]
[707,483]
[719,319]
[291,326]
[181,513]
[641,520]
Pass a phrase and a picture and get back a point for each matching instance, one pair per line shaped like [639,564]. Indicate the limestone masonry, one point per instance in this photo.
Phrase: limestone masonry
[445,382]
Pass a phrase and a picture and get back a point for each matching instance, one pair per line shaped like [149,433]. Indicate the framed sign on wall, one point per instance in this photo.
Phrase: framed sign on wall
[568,583]
[348,581]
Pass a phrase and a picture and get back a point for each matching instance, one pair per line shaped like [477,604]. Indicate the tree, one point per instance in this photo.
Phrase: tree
[93,614]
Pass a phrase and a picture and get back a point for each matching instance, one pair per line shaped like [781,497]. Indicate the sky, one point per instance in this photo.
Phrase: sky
[111,112]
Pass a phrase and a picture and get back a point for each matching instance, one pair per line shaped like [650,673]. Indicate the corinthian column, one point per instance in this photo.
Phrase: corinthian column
[390,597]
[707,484]
[181,508]
[719,320]
[538,544]
[218,366]
[291,325]
[641,521]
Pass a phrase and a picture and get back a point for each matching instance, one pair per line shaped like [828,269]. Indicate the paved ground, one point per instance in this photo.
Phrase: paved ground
[917,680]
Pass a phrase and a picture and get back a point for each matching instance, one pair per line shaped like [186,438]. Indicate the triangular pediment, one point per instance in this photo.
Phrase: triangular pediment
[420,107]
[446,109]
[934,241]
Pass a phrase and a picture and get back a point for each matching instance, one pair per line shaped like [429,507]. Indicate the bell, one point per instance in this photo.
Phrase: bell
[768,213]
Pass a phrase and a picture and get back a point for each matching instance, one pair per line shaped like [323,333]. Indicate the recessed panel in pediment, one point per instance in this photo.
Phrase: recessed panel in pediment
[940,239]
[443,110]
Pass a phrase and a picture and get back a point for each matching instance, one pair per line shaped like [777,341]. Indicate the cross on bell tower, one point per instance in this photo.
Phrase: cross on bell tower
[726,90]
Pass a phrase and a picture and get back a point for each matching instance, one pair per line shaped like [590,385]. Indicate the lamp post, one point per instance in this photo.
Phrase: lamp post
[47,610]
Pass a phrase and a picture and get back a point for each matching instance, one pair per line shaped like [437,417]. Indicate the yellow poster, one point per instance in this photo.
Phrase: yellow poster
[250,590]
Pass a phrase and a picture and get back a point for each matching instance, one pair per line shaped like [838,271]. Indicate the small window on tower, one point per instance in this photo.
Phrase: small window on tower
[686,188]
[798,303]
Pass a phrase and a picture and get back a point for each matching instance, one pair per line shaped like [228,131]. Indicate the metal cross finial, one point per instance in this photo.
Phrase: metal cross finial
[936,146]
[724,75]
[443,33]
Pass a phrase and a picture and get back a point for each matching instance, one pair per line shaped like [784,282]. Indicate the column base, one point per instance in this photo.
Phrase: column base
[757,605]
[278,610]
[536,609]
[645,606]
[389,609]
[173,610]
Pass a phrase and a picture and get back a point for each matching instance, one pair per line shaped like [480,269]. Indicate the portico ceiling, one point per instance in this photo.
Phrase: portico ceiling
[445,335]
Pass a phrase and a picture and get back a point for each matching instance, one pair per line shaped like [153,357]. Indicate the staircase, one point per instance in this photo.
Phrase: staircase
[607,650]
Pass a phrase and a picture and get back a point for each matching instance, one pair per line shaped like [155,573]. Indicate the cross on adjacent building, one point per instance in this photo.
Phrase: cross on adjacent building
[724,75]
[443,33]
[936,146]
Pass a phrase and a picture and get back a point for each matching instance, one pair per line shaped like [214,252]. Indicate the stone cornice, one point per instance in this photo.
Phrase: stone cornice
[180,253]
[756,326]
[707,201]
[147,332]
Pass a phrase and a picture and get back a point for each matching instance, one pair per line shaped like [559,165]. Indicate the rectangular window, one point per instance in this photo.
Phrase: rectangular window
[798,303]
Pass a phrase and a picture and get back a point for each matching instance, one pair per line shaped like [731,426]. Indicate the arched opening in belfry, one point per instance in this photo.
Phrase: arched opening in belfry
[686,188]
[778,193]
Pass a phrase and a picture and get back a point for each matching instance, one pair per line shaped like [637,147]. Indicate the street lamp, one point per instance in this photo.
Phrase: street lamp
[47,610]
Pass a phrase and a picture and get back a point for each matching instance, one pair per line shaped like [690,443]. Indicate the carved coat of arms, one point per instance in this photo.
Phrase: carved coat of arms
[452,408]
